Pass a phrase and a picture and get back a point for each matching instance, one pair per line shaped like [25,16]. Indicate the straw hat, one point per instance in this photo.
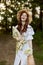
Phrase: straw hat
[27,11]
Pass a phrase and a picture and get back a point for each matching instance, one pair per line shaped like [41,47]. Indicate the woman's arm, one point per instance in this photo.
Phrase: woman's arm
[30,47]
[30,58]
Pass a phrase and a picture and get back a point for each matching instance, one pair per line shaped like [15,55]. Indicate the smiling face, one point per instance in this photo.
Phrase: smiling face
[23,18]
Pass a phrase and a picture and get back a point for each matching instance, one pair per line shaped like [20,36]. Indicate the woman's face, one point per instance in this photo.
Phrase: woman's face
[23,18]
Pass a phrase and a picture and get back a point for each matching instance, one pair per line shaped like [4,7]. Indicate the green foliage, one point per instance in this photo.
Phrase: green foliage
[35,24]
[38,38]
[38,48]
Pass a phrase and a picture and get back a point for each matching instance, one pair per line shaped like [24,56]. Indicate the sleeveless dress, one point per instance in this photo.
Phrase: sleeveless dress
[26,49]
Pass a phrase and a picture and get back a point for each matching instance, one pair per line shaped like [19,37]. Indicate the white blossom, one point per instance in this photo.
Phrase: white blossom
[12,6]
[2,6]
[9,19]
[9,26]
[18,3]
[38,9]
[2,12]
[0,21]
[8,2]
[1,18]
[30,4]
[28,0]
[12,16]
[37,15]
[23,2]
[26,3]
[10,10]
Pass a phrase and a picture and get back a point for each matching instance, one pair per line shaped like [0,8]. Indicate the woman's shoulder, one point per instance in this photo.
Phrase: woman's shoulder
[30,30]
[29,26]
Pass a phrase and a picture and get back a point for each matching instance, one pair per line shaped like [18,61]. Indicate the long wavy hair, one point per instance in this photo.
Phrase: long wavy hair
[20,23]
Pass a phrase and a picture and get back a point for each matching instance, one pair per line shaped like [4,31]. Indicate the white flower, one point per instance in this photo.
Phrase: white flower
[9,19]
[1,18]
[2,6]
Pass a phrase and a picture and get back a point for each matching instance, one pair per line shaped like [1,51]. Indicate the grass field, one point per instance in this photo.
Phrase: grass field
[38,48]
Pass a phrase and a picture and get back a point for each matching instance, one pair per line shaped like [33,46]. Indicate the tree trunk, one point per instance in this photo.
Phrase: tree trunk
[41,19]
[33,13]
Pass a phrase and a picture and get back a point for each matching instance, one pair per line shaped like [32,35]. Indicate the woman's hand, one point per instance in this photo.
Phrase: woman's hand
[20,38]
[30,60]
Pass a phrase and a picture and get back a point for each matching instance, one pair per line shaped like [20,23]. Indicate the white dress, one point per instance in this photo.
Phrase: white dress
[26,49]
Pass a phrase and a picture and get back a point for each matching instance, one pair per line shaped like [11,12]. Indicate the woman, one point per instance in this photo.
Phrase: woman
[25,54]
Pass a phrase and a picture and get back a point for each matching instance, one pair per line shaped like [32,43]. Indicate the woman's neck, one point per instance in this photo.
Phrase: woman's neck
[23,23]
[22,27]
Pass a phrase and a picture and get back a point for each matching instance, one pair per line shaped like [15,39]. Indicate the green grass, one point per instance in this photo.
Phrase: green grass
[3,63]
[38,48]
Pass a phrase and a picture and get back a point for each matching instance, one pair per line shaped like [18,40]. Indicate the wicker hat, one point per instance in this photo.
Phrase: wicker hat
[27,11]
